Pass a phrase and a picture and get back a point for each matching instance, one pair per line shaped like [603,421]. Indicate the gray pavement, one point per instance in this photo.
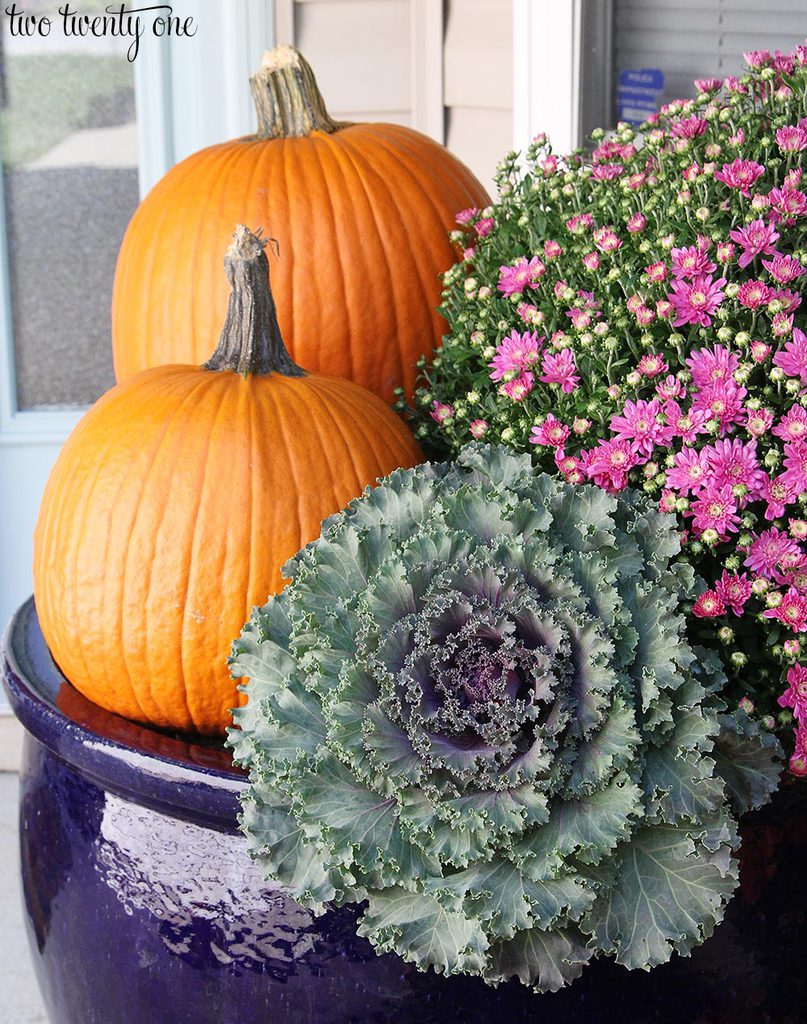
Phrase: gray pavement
[20,1002]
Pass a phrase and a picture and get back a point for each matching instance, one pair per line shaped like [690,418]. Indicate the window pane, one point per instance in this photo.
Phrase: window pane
[69,142]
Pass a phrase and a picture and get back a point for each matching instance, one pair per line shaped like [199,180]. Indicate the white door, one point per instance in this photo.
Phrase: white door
[85,134]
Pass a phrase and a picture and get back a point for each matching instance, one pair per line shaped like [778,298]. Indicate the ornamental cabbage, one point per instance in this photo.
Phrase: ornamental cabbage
[475,708]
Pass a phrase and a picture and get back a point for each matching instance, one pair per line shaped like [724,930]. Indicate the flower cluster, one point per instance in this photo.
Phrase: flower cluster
[633,316]
[474,707]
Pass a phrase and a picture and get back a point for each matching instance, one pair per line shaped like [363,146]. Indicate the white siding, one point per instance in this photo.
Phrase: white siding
[478,77]
[441,66]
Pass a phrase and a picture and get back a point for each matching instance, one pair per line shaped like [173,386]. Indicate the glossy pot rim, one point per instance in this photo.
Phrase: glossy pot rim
[178,776]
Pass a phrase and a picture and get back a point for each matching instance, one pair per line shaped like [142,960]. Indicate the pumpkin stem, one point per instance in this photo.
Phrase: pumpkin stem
[287,99]
[251,342]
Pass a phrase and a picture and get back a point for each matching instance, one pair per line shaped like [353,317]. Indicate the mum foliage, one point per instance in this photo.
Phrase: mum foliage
[635,318]
[474,708]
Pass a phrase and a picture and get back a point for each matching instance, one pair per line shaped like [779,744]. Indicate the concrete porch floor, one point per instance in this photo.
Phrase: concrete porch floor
[20,1002]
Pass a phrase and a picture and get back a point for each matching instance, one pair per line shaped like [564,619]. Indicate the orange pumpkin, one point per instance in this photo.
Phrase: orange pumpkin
[179,496]
[365,209]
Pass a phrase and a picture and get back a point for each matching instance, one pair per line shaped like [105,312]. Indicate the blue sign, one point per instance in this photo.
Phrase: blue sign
[638,93]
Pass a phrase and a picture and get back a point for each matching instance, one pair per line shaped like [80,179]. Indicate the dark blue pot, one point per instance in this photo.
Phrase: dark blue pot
[142,904]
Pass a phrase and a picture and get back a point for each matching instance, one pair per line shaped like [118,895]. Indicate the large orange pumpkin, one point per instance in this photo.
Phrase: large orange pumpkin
[179,496]
[365,211]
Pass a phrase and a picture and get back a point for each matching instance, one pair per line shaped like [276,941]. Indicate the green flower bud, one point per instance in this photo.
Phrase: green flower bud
[738,659]
[725,635]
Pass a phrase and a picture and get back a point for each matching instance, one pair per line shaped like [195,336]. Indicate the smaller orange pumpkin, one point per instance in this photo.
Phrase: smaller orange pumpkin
[179,496]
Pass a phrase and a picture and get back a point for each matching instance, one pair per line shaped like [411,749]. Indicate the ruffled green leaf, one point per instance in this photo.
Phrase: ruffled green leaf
[668,896]
[748,759]
[544,960]
[423,932]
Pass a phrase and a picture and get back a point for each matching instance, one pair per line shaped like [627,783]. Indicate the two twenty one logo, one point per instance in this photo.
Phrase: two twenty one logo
[127,23]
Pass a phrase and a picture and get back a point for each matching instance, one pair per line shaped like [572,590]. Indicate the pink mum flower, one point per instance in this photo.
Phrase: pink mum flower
[753,294]
[733,462]
[784,269]
[484,226]
[609,463]
[760,351]
[671,387]
[691,261]
[793,359]
[755,239]
[689,127]
[530,314]
[551,433]
[725,252]
[522,274]
[684,424]
[795,696]
[740,174]
[786,205]
[607,172]
[796,465]
[569,466]
[579,222]
[778,493]
[723,400]
[560,369]
[781,325]
[715,508]
[791,612]
[733,590]
[467,215]
[790,300]
[712,365]
[515,353]
[519,387]
[637,222]
[696,301]
[581,318]
[709,605]
[757,59]
[792,138]
[708,84]
[591,260]
[759,421]
[652,365]
[771,549]
[793,425]
[656,271]
[441,413]
[607,240]
[552,249]
[689,472]
[478,428]
[640,424]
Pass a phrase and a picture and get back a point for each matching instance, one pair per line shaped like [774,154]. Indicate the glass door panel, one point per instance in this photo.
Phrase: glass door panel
[69,143]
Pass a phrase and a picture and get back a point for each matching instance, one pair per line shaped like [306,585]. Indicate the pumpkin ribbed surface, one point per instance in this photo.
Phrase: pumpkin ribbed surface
[364,215]
[168,514]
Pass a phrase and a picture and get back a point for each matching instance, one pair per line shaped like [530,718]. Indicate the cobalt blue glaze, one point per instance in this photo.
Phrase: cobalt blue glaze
[142,905]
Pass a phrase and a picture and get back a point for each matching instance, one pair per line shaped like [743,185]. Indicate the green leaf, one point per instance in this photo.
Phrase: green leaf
[605,751]
[508,901]
[546,960]
[748,759]
[288,856]
[360,825]
[668,895]
[422,932]
[588,827]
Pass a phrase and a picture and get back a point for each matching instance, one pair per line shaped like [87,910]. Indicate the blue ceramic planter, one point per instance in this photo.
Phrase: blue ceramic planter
[143,906]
